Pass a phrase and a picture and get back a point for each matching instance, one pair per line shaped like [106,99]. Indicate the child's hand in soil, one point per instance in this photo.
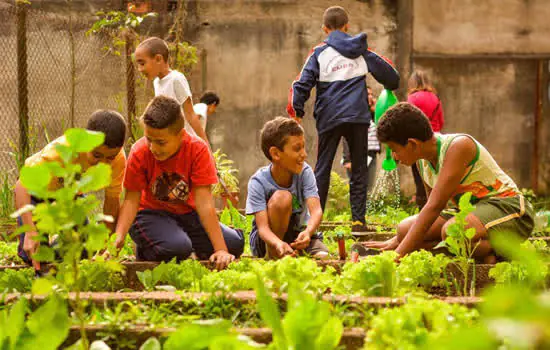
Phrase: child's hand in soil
[302,241]
[222,259]
[282,248]
[390,244]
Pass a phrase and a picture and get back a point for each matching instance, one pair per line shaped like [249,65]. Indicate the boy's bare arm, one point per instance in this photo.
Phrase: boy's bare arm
[128,212]
[22,198]
[207,213]
[459,155]
[194,120]
[316,215]
[111,206]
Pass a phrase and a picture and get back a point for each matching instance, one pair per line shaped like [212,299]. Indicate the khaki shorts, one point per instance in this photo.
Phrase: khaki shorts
[510,214]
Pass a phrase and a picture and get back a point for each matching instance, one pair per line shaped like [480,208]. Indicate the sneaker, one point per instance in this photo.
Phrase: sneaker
[358,227]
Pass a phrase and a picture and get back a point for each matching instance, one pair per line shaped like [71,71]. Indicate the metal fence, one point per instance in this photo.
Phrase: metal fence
[53,77]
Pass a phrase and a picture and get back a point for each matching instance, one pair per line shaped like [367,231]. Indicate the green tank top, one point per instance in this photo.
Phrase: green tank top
[483,178]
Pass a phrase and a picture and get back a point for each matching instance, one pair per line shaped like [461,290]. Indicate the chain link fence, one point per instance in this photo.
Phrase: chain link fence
[53,77]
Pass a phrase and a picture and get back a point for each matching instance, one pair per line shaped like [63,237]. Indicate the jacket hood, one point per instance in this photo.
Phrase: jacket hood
[347,45]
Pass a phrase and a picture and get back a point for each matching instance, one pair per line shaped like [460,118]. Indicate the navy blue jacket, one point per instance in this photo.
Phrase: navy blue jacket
[338,68]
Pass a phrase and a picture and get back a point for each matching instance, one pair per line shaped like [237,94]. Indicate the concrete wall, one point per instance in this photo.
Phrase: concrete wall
[483,58]
[489,26]
[255,48]
[254,51]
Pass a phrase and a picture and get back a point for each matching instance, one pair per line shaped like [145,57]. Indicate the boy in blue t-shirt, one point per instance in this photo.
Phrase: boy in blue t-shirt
[283,195]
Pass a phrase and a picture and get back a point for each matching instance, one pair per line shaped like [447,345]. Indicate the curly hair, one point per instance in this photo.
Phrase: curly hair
[402,122]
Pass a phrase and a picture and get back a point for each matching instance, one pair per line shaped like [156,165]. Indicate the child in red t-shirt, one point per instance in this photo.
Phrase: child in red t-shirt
[168,208]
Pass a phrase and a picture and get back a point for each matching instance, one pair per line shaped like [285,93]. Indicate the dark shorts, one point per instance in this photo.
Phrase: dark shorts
[259,249]
[162,236]
[507,214]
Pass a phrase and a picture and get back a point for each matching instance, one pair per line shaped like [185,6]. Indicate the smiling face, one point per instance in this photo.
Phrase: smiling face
[103,154]
[292,156]
[149,66]
[163,143]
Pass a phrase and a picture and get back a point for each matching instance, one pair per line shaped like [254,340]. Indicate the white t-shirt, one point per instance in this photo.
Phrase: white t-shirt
[176,86]
[201,109]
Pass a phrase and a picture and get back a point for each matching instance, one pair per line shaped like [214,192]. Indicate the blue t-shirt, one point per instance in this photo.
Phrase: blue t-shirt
[262,186]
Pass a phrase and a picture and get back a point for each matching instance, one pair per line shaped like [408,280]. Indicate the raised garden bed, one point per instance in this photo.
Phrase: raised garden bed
[353,338]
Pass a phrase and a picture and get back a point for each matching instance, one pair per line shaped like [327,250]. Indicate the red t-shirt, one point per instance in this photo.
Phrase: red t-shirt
[429,103]
[168,185]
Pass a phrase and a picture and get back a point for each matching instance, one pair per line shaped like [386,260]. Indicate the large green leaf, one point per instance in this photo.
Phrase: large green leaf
[330,334]
[81,140]
[151,344]
[270,314]
[36,179]
[16,322]
[48,326]
[95,178]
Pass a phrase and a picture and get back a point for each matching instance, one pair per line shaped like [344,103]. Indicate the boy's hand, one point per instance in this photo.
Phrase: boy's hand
[30,246]
[302,241]
[222,259]
[282,248]
[390,244]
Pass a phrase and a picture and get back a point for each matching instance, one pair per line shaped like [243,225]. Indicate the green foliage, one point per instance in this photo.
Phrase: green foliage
[372,276]
[389,216]
[302,272]
[416,323]
[185,275]
[46,328]
[523,272]
[422,268]
[66,211]
[228,281]
[230,216]
[338,206]
[214,335]
[308,323]
[6,196]
[8,253]
[227,173]
[101,276]
[459,242]
[16,280]
[120,26]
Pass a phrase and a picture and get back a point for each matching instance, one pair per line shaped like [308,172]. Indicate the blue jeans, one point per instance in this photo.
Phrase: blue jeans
[162,236]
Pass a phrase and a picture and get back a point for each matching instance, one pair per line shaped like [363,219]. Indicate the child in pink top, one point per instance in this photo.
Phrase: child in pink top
[423,95]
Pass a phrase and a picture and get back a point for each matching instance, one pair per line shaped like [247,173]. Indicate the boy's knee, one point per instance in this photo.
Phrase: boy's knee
[444,230]
[402,229]
[280,201]
[179,247]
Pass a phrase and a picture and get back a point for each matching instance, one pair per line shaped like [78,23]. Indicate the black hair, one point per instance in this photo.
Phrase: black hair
[402,122]
[112,124]
[210,98]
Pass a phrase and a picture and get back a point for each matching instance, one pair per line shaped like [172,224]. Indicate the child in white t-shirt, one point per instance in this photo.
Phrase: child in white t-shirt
[208,103]
[152,61]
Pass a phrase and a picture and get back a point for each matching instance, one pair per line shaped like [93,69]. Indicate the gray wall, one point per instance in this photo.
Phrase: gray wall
[482,55]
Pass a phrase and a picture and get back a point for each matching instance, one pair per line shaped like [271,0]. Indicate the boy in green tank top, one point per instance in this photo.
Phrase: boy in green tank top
[450,166]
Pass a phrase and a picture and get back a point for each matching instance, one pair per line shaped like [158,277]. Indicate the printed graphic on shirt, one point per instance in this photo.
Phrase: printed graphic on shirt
[170,187]
[335,67]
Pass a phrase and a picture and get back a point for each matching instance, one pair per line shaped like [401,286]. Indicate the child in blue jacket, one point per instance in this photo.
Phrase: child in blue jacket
[337,68]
